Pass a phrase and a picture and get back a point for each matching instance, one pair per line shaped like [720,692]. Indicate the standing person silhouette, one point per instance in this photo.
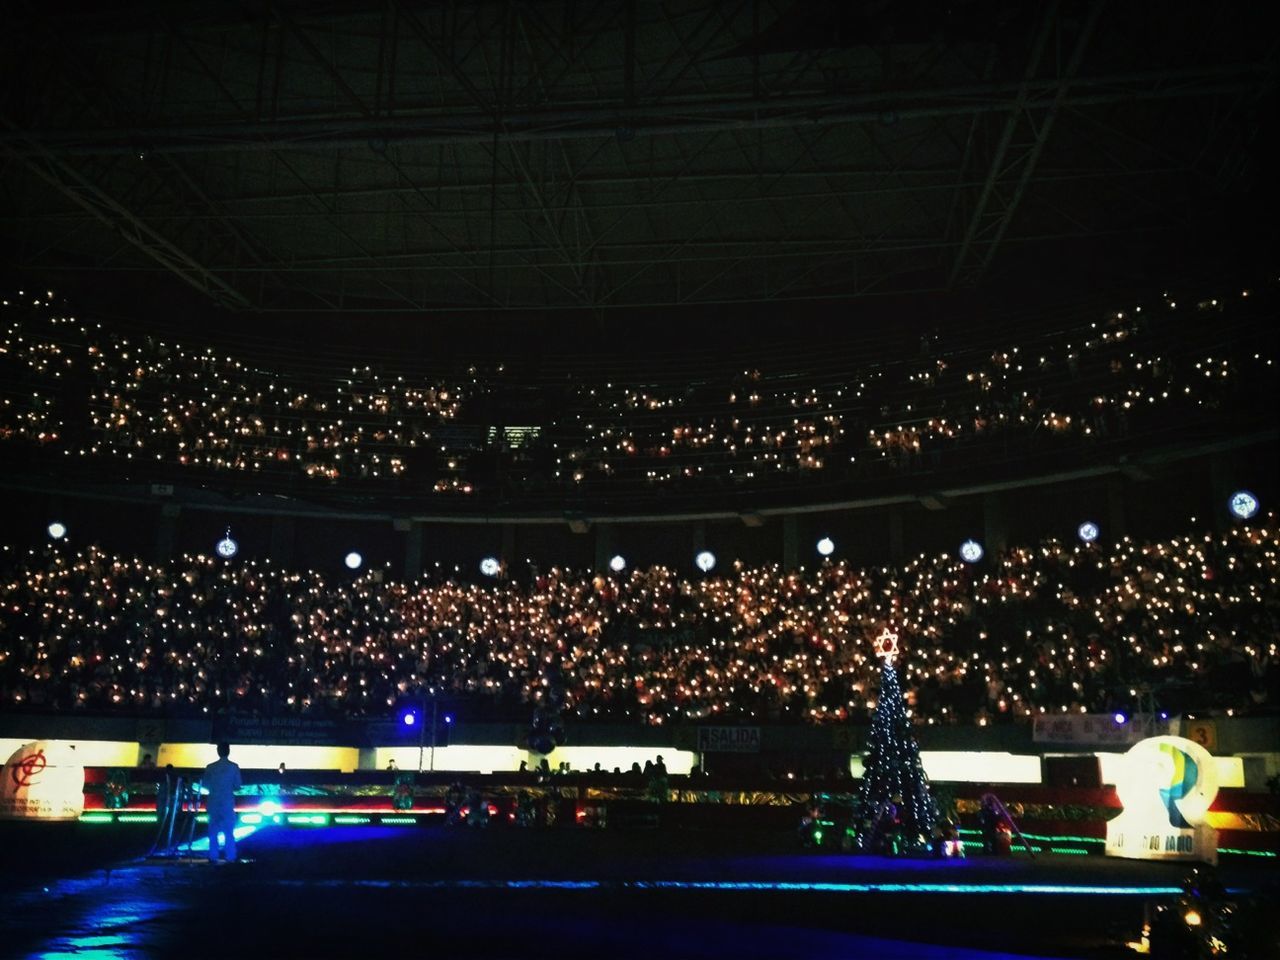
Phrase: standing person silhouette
[221,781]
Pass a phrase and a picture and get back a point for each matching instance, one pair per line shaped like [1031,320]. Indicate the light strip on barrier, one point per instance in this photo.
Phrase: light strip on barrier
[316,817]
[1098,840]
[961,888]
[247,810]
[1041,836]
[768,886]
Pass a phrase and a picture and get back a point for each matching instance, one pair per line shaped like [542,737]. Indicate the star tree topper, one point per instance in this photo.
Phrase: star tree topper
[886,645]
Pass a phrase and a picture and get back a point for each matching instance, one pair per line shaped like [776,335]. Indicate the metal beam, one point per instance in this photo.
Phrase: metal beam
[996,167]
[657,252]
[121,221]
[605,119]
[987,226]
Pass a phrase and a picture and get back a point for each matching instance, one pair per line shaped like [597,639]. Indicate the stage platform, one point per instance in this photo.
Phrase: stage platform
[369,891]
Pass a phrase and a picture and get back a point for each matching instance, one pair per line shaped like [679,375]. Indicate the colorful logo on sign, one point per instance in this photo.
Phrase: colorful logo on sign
[1185,775]
[25,771]
[1168,779]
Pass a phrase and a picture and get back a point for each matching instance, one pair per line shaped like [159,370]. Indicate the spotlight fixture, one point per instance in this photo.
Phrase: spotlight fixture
[353,560]
[1243,504]
[826,546]
[1121,717]
[618,563]
[706,561]
[1087,531]
[227,547]
[490,566]
[57,530]
[971,551]
[409,718]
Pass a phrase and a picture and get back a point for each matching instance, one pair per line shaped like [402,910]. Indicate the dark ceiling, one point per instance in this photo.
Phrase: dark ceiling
[421,157]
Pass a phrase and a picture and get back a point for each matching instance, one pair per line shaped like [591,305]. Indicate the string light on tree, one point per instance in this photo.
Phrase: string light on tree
[895,801]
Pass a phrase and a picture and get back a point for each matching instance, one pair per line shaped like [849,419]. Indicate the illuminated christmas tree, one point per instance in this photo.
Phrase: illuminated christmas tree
[891,770]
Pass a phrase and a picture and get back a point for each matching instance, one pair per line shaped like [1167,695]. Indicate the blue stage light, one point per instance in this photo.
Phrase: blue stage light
[1121,717]
[448,718]
[409,718]
[268,808]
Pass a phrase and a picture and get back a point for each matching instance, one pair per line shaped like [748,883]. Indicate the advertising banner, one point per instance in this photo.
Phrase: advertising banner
[728,739]
[43,780]
[1087,729]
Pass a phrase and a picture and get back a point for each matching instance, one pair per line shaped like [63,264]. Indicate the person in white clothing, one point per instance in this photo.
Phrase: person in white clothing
[221,781]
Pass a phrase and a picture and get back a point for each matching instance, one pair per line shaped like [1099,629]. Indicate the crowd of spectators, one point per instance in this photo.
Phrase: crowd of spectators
[822,412]
[1044,629]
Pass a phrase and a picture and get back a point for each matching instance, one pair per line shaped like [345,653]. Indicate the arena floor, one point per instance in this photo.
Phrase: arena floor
[375,891]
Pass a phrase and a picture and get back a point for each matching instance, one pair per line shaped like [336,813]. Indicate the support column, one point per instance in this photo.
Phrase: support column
[698,532]
[283,531]
[995,526]
[790,542]
[412,533]
[1117,518]
[605,544]
[508,545]
[897,537]
[167,531]
[1220,489]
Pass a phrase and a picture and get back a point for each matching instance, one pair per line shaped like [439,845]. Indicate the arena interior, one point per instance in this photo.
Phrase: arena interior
[758,479]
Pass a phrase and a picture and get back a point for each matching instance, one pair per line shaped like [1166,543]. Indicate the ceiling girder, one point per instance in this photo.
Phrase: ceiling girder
[607,118]
[1016,156]
[125,224]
